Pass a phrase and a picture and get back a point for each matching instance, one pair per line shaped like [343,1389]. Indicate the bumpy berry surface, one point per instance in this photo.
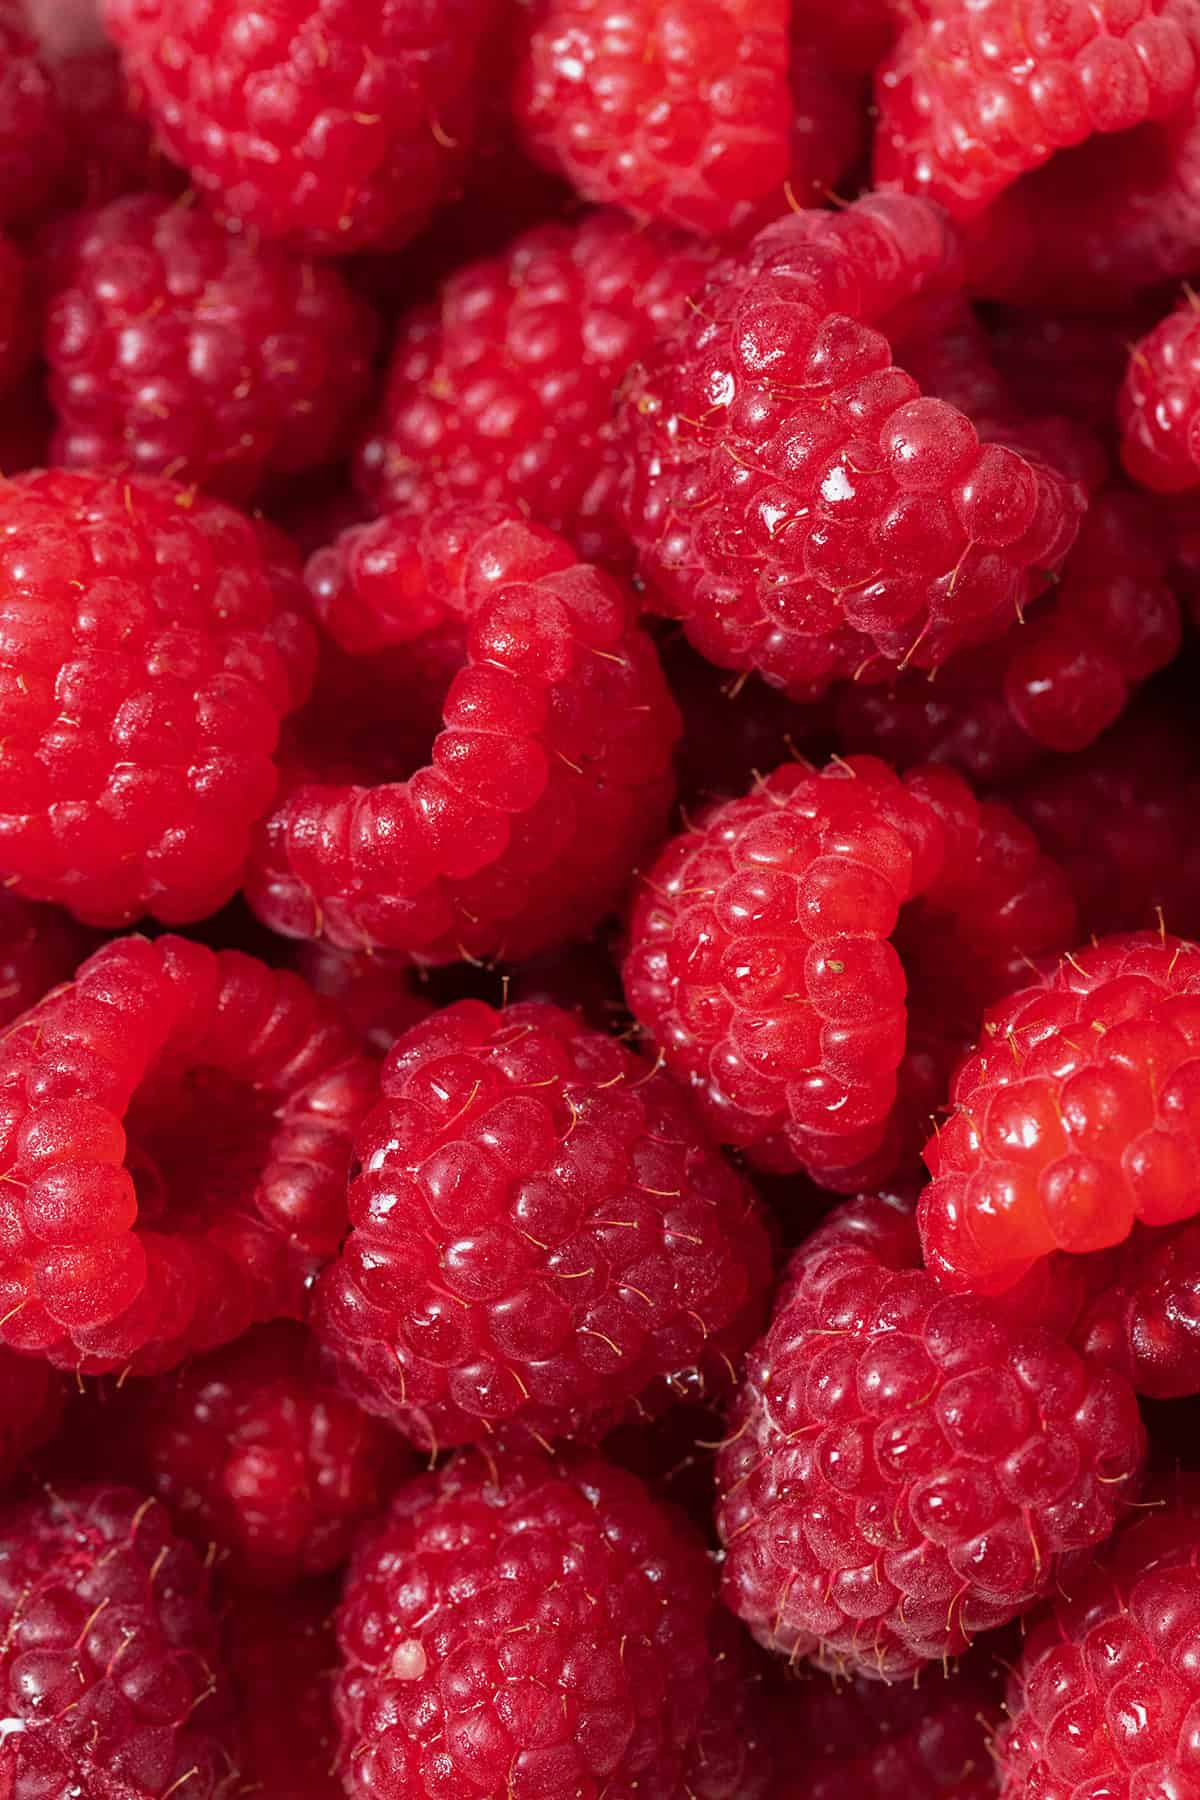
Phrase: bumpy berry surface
[551,727]
[503,389]
[153,642]
[335,128]
[176,1130]
[761,958]
[961,719]
[1138,1308]
[539,1231]
[176,349]
[793,497]
[978,92]
[110,1665]
[904,1469]
[33,141]
[282,1653]
[521,1623]
[1077,1114]
[1160,404]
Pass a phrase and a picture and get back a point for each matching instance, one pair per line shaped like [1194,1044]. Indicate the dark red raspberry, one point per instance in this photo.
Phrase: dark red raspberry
[255,1453]
[282,1654]
[523,1625]
[31,1405]
[760,958]
[336,130]
[153,642]
[177,1127]
[112,1676]
[373,990]
[39,947]
[539,1232]
[961,718]
[1138,1307]
[176,349]
[1067,362]
[33,142]
[1160,404]
[976,93]
[548,779]
[734,1754]
[1078,1113]
[794,499]
[503,389]
[904,1468]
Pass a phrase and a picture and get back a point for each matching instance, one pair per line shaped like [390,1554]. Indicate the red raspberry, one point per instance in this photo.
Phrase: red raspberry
[176,349]
[1075,1116]
[961,719]
[177,1127]
[977,92]
[153,642]
[31,1405]
[523,1625]
[113,1684]
[793,498]
[255,1453]
[39,948]
[1138,1307]
[503,390]
[336,130]
[549,777]
[33,144]
[855,35]
[1160,404]
[282,1654]
[761,964]
[905,1469]
[539,1232]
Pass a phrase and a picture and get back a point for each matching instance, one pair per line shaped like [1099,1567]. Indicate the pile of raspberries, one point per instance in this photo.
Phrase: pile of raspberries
[599,900]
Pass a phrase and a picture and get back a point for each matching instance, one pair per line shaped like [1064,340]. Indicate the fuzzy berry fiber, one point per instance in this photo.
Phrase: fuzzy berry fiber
[113,1684]
[176,1129]
[762,962]
[282,1655]
[547,782]
[1160,404]
[176,349]
[904,1469]
[522,1626]
[539,1232]
[503,389]
[335,128]
[153,642]
[1078,1113]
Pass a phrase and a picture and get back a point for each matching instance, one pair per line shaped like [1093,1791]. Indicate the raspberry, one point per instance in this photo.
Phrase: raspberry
[976,92]
[31,1405]
[374,992]
[539,1232]
[503,390]
[33,143]
[177,1127]
[1160,404]
[760,959]
[153,642]
[257,1454]
[1137,1308]
[281,1652]
[732,1756]
[905,1469]
[548,779]
[176,349]
[794,499]
[335,129]
[110,148]
[112,1677]
[523,1625]
[39,948]
[1074,1117]
[961,719]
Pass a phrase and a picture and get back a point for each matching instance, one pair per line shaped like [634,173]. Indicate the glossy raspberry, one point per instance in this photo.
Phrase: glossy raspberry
[39,948]
[1160,404]
[547,781]
[978,92]
[33,143]
[1138,1307]
[539,1232]
[523,1624]
[503,389]
[153,641]
[176,1127]
[336,129]
[904,1468]
[1076,1115]
[113,1683]
[761,958]
[282,1655]
[176,349]
[794,499]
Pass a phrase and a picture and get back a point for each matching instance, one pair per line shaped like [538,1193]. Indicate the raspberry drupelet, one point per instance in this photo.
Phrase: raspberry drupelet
[176,349]
[762,963]
[1138,1307]
[552,733]
[333,129]
[523,1625]
[794,499]
[539,1233]
[1159,405]
[153,641]
[110,1666]
[904,1468]
[177,1127]
[1075,1116]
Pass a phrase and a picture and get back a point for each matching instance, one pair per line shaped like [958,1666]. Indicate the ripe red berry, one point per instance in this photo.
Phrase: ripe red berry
[177,1126]
[282,1655]
[1160,404]
[111,149]
[1137,1307]
[39,948]
[905,1469]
